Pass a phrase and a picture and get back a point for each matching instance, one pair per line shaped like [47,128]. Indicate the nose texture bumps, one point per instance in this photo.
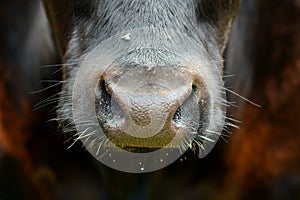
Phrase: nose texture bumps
[148,111]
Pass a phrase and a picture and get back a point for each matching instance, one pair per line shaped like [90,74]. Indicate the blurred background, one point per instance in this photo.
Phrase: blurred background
[260,160]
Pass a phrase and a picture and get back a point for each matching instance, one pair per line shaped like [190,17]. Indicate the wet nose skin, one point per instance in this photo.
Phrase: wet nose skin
[143,103]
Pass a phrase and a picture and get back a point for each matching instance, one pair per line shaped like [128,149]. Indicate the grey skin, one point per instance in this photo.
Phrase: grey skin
[196,33]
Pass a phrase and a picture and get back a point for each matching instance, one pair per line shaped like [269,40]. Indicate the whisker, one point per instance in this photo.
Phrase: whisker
[232,125]
[199,144]
[228,76]
[233,104]
[50,66]
[44,89]
[223,138]
[56,71]
[240,96]
[102,138]
[60,64]
[226,129]
[46,100]
[74,142]
[213,132]
[206,138]
[46,104]
[52,81]
[82,136]
[234,120]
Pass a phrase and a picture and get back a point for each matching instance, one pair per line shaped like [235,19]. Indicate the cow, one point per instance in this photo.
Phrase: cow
[142,75]
[168,53]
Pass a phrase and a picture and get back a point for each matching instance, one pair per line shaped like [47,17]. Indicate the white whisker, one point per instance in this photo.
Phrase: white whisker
[240,96]
[44,89]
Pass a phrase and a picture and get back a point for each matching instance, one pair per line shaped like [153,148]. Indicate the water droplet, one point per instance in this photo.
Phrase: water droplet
[142,168]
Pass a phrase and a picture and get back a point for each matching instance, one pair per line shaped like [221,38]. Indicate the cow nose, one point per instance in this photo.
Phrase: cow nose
[141,107]
[148,109]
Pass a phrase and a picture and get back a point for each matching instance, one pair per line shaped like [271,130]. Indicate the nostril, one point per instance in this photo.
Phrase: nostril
[102,102]
[108,111]
[101,91]
[184,110]
[177,116]
[194,87]
[190,111]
